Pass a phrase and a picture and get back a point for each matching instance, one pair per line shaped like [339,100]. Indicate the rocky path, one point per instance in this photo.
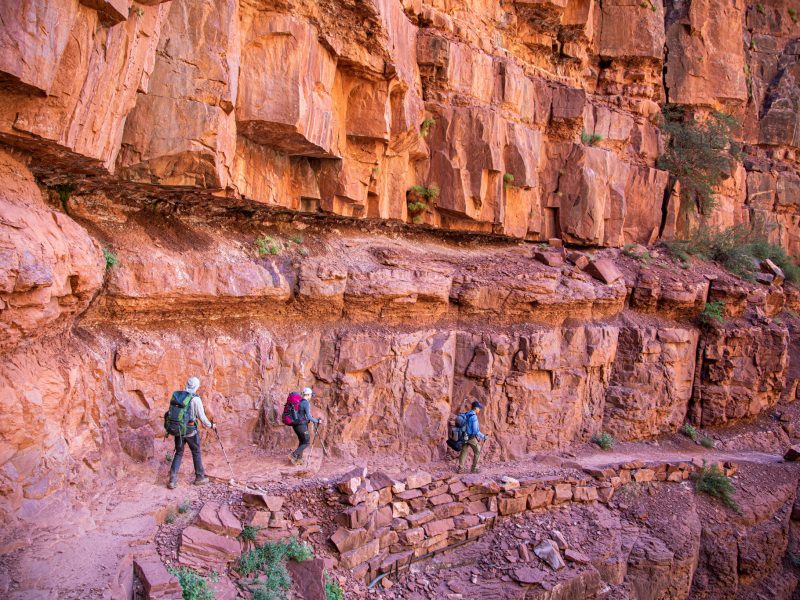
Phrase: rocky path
[78,546]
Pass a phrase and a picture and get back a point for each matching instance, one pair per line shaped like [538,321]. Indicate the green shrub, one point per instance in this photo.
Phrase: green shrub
[194,585]
[738,249]
[628,250]
[298,238]
[250,532]
[267,245]
[713,311]
[605,440]
[170,518]
[793,15]
[590,139]
[184,506]
[426,125]
[303,251]
[707,442]
[760,9]
[419,198]
[698,154]
[508,179]
[689,431]
[64,191]
[110,258]
[333,591]
[712,481]
[270,561]
[168,457]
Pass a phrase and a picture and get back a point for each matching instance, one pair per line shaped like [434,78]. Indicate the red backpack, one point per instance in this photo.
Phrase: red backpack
[291,410]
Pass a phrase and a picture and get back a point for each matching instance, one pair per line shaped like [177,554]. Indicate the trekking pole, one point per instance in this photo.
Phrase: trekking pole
[316,435]
[225,454]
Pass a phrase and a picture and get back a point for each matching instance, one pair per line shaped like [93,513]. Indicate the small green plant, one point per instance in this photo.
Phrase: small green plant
[110,258]
[64,192]
[738,249]
[137,11]
[760,9]
[250,532]
[184,506]
[590,139]
[267,245]
[753,44]
[193,585]
[303,251]
[168,457]
[605,440]
[698,153]
[419,199]
[170,518]
[707,442]
[298,239]
[270,561]
[508,179]
[713,311]
[643,257]
[712,481]
[333,591]
[426,125]
[689,431]
[793,15]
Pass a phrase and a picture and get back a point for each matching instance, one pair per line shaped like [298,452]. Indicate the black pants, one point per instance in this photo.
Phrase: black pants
[197,458]
[303,439]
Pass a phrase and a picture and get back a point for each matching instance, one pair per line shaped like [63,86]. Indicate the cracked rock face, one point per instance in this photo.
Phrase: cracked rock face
[176,134]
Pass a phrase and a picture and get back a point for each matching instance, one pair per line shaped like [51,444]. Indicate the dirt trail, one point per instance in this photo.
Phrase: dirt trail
[76,547]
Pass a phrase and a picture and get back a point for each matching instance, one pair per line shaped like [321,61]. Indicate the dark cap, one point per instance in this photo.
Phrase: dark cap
[477,404]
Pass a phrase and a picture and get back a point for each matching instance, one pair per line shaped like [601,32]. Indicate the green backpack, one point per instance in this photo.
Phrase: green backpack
[176,419]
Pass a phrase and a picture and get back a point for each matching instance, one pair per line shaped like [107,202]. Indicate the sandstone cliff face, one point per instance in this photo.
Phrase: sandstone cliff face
[535,120]
[175,133]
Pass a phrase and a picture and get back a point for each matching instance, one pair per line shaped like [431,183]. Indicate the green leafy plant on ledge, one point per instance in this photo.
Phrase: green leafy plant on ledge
[713,311]
[419,199]
[425,126]
[605,440]
[712,481]
[590,139]
[267,245]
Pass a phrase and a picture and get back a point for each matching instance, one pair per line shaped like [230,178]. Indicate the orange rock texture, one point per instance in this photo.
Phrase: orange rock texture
[175,134]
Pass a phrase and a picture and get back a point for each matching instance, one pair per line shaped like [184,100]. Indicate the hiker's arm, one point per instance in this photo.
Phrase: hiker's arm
[305,412]
[199,412]
[477,428]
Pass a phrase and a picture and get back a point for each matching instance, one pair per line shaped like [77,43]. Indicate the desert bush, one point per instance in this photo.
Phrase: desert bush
[249,532]
[267,245]
[605,440]
[333,591]
[590,139]
[643,257]
[689,431]
[712,481]
[110,258]
[184,506]
[425,126]
[508,179]
[193,585]
[713,311]
[698,153]
[707,442]
[738,249]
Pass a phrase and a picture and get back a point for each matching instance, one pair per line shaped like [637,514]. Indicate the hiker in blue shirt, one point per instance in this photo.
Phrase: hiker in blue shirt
[473,435]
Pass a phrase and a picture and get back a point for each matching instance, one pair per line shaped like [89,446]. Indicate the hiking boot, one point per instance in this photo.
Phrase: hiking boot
[292,459]
[475,470]
[173,483]
[201,480]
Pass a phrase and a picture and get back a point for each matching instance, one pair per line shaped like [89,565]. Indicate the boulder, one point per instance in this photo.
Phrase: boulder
[548,552]
[792,454]
[158,583]
[203,549]
[218,519]
[605,270]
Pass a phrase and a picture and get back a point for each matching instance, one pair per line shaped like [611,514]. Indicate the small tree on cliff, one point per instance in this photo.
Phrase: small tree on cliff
[698,153]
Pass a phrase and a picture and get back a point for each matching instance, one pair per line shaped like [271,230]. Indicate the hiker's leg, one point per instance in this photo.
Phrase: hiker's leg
[176,459]
[298,431]
[197,457]
[304,439]
[476,453]
[462,458]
